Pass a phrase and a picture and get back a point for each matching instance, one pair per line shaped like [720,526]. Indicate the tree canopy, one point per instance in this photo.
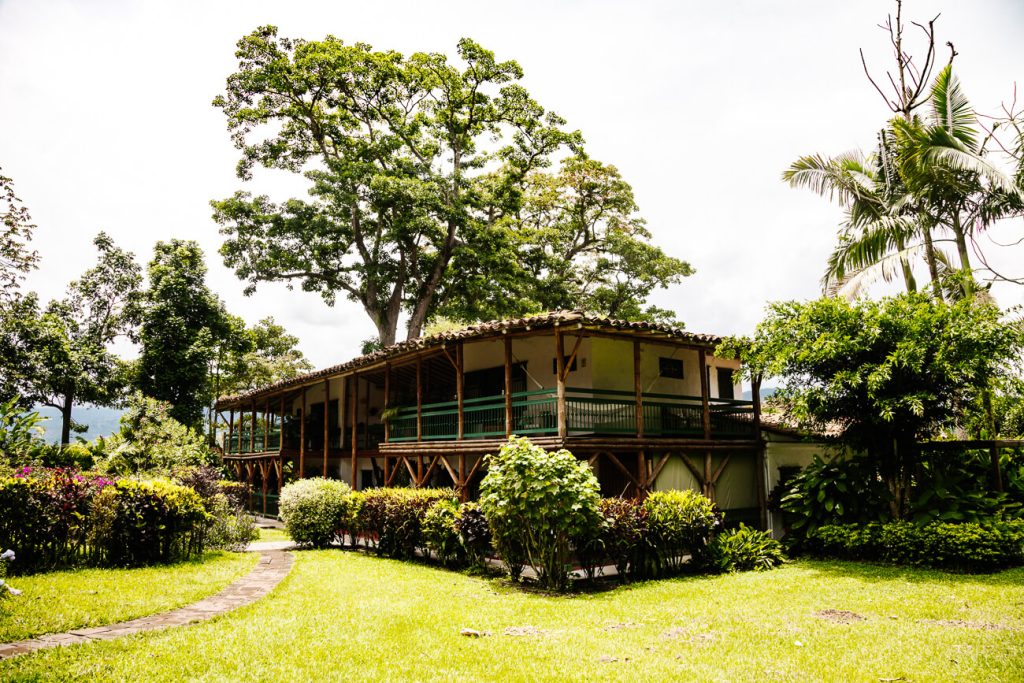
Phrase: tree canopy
[419,169]
[883,374]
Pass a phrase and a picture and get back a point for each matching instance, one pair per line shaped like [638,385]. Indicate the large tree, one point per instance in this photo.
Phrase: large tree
[182,327]
[64,347]
[417,169]
[16,258]
[256,357]
[882,375]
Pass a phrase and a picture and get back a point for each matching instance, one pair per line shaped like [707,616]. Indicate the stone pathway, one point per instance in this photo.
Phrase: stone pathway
[273,566]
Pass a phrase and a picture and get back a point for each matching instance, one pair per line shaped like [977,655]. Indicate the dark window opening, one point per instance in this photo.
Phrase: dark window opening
[670,367]
[491,381]
[725,387]
[554,365]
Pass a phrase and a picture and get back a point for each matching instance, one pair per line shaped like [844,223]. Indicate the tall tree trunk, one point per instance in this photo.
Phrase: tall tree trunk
[933,265]
[908,273]
[65,418]
[965,256]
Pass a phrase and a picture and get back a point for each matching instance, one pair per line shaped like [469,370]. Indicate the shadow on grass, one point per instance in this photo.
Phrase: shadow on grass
[870,571]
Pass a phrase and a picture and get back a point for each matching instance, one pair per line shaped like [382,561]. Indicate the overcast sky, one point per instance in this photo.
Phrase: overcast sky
[106,124]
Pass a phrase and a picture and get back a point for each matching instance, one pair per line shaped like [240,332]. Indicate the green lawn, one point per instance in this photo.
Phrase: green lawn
[273,535]
[347,616]
[59,601]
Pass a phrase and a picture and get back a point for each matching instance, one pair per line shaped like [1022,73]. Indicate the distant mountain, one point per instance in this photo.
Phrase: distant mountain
[101,421]
[765,393]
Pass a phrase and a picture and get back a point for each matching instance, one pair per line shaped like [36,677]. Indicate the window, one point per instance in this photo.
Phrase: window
[670,367]
[554,365]
[725,387]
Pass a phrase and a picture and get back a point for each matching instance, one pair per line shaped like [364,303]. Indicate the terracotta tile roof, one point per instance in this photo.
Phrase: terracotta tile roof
[482,330]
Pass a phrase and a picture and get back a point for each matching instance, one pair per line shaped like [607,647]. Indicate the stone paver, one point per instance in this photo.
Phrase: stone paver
[274,564]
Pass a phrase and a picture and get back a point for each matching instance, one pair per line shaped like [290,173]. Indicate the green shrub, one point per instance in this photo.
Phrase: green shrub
[679,523]
[440,534]
[230,527]
[474,533]
[624,535]
[745,549]
[967,546]
[137,523]
[837,491]
[391,519]
[313,509]
[536,503]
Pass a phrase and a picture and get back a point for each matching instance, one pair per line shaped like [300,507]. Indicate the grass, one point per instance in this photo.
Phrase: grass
[267,534]
[59,601]
[348,616]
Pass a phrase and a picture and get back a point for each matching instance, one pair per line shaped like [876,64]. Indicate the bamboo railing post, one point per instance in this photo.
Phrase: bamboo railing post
[252,429]
[280,432]
[508,385]
[327,423]
[266,426]
[231,430]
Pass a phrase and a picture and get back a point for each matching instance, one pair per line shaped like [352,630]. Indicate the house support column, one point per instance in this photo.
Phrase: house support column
[302,436]
[327,423]
[563,429]
[508,385]
[354,378]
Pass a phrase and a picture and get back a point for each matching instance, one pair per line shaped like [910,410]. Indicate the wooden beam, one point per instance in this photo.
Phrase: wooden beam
[353,412]
[572,356]
[997,474]
[463,480]
[419,398]
[705,392]
[473,469]
[231,430]
[451,471]
[266,426]
[408,466]
[508,386]
[709,481]
[622,468]
[460,389]
[693,470]
[387,400]
[280,430]
[720,468]
[657,469]
[327,424]
[563,422]
[430,469]
[638,389]
[252,429]
[302,436]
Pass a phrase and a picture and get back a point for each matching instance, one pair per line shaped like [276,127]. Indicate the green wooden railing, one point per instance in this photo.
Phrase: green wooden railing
[588,411]
[239,441]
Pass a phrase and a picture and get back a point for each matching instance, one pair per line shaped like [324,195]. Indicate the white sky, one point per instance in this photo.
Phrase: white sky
[106,124]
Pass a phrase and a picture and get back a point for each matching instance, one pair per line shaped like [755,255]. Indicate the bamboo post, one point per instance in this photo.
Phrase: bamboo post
[266,426]
[460,389]
[280,431]
[419,398]
[997,475]
[231,429]
[302,437]
[463,480]
[638,389]
[252,429]
[327,423]
[705,392]
[355,432]
[755,396]
[563,429]
[387,401]
[508,386]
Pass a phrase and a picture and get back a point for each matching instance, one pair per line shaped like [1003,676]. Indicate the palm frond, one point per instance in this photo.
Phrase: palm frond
[862,246]
[885,269]
[959,159]
[951,110]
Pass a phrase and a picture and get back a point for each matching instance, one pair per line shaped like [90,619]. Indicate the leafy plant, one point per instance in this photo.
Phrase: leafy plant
[836,491]
[536,503]
[474,532]
[392,518]
[440,533]
[680,523]
[625,535]
[313,509]
[745,549]
[20,433]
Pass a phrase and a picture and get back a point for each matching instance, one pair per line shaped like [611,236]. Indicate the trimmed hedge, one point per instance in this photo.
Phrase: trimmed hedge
[313,510]
[391,519]
[967,546]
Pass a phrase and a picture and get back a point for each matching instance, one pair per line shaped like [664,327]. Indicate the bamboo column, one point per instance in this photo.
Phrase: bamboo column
[638,389]
[705,392]
[387,401]
[460,377]
[508,386]
[302,436]
[327,423]
[419,399]
[355,432]
[266,426]
[252,429]
[280,431]
[560,386]
[231,429]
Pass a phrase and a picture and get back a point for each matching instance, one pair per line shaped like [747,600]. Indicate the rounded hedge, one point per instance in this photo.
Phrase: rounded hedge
[313,510]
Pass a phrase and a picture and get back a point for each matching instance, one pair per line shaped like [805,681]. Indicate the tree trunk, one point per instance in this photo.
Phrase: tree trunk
[965,256]
[908,274]
[933,265]
[65,419]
